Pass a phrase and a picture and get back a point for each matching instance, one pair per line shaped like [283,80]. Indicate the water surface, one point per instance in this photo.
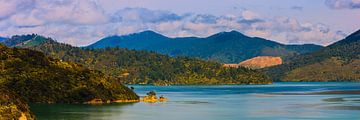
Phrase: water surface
[226,102]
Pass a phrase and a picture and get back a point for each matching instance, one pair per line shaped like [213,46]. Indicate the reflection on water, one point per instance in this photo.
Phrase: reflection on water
[282,101]
[191,102]
[76,111]
[334,100]
[342,107]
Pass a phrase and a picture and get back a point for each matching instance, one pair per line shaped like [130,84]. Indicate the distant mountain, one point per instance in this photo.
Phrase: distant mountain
[24,41]
[2,38]
[224,47]
[142,67]
[337,62]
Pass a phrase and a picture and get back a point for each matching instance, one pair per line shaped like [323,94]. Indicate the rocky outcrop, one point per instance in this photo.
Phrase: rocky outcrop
[152,98]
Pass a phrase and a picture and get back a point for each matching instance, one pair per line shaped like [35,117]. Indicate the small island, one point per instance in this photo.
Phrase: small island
[152,98]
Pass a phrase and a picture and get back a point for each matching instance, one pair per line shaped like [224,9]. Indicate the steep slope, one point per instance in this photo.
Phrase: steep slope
[224,47]
[141,67]
[40,79]
[337,62]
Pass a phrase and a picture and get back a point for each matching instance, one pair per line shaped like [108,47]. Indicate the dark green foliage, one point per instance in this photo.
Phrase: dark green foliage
[141,67]
[345,52]
[224,47]
[151,93]
[41,79]
[12,107]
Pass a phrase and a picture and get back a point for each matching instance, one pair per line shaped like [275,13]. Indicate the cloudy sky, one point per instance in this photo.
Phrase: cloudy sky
[82,22]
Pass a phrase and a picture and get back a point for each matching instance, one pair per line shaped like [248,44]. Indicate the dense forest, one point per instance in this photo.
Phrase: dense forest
[41,79]
[141,67]
[337,62]
[13,107]
[223,47]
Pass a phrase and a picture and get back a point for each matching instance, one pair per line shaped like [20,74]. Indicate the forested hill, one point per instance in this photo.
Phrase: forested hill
[141,67]
[224,47]
[40,79]
[337,62]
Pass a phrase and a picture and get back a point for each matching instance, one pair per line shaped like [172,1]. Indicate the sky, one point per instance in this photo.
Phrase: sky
[82,22]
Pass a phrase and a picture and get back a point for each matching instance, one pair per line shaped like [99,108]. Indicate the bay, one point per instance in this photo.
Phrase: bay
[222,102]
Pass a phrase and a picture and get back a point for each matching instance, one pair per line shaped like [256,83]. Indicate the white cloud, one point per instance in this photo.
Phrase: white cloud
[81,22]
[250,15]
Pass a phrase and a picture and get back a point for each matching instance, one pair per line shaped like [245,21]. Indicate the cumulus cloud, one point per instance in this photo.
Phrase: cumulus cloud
[343,4]
[82,22]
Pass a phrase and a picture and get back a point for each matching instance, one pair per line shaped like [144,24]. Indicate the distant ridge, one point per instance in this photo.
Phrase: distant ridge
[2,38]
[337,62]
[142,67]
[224,47]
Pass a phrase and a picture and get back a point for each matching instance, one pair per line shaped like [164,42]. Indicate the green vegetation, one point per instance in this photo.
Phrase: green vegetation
[337,62]
[224,47]
[141,67]
[40,79]
[12,107]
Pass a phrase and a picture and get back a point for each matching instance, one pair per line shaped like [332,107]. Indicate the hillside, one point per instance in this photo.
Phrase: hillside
[12,107]
[261,62]
[337,62]
[224,47]
[141,67]
[258,62]
[40,79]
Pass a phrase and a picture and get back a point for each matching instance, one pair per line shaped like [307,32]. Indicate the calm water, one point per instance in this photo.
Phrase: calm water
[233,102]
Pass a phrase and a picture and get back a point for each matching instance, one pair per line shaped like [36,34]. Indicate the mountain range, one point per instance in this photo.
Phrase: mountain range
[223,47]
[141,67]
[337,62]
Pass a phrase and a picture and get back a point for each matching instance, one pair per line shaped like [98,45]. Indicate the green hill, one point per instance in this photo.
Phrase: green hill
[224,47]
[40,79]
[141,67]
[337,62]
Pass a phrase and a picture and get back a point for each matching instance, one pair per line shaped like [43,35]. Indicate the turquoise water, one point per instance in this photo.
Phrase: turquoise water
[228,102]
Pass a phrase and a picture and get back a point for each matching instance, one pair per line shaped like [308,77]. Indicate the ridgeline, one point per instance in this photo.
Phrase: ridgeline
[142,67]
[337,62]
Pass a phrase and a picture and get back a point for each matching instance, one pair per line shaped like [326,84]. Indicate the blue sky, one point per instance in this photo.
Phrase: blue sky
[81,22]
